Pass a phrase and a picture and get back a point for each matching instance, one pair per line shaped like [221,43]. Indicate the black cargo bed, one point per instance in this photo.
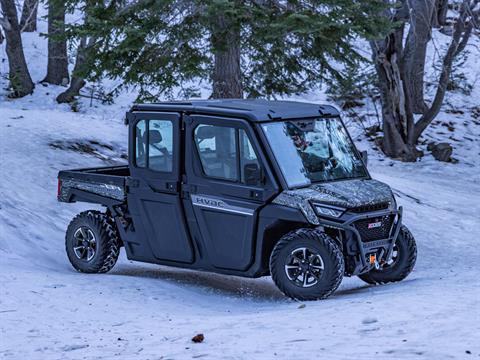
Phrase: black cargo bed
[107,182]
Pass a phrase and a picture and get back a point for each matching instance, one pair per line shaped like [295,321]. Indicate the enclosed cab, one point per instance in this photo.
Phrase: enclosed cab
[241,187]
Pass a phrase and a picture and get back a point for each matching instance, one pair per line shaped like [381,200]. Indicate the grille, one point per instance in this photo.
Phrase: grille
[368,208]
[376,233]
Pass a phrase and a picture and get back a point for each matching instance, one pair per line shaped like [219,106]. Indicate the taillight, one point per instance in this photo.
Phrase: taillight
[59,187]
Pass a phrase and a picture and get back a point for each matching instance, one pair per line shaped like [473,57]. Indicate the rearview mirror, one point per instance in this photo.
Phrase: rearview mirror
[364,156]
[253,174]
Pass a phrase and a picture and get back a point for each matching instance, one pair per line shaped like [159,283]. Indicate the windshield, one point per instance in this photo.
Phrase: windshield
[310,151]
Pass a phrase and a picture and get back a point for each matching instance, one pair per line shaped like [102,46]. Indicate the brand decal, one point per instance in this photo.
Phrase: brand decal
[217,204]
[209,202]
[375,225]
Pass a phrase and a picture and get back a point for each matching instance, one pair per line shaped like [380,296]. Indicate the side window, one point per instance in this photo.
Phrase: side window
[158,155]
[227,153]
[218,151]
[160,145]
[247,155]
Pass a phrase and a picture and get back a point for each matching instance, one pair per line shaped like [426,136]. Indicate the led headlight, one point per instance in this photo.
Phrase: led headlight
[328,211]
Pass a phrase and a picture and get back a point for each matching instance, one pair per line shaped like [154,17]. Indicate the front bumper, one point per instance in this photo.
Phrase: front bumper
[347,223]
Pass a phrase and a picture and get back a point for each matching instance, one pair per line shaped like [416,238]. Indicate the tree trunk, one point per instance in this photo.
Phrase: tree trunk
[440,13]
[398,69]
[78,82]
[20,79]
[28,21]
[393,98]
[226,75]
[414,56]
[57,68]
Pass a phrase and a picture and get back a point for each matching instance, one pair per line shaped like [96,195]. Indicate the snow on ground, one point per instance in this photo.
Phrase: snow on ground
[48,311]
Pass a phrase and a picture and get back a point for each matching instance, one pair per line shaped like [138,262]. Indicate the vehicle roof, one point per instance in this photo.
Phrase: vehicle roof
[256,110]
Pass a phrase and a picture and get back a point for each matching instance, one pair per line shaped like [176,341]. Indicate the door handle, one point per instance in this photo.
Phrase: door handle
[164,187]
[256,195]
[172,186]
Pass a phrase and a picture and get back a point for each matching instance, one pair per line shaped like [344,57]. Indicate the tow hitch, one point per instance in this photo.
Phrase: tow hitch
[377,259]
[373,261]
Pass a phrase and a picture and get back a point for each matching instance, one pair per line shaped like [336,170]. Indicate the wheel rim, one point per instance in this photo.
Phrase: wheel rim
[304,267]
[85,244]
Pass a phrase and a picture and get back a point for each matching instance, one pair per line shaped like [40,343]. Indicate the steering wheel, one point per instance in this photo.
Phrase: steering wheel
[163,150]
[331,162]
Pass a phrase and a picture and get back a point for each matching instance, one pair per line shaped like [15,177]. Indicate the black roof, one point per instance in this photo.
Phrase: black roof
[251,109]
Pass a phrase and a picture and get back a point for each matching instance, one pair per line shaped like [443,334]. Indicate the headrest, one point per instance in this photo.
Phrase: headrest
[154,136]
[205,132]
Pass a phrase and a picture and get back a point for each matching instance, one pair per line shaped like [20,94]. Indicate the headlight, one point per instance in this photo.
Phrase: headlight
[328,211]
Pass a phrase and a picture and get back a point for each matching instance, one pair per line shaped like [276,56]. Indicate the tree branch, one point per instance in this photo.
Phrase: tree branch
[458,37]
[27,21]
[465,38]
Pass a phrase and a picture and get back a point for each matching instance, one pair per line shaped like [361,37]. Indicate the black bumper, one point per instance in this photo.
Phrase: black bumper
[347,223]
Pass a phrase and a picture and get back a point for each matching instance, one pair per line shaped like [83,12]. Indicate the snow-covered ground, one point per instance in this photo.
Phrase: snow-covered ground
[48,311]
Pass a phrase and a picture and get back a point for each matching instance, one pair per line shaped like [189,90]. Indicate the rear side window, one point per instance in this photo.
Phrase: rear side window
[154,145]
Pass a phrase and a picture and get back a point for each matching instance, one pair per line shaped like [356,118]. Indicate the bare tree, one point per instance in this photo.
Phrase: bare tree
[398,69]
[28,20]
[226,74]
[57,67]
[20,80]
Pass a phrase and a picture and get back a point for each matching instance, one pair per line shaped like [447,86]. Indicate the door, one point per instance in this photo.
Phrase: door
[153,192]
[222,160]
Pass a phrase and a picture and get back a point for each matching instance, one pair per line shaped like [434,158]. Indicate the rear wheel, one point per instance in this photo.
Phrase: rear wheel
[307,265]
[92,242]
[401,264]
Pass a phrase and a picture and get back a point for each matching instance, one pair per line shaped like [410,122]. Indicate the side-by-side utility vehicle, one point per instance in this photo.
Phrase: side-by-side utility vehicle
[241,187]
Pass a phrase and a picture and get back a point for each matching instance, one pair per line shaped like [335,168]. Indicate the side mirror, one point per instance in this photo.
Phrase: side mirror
[364,156]
[253,174]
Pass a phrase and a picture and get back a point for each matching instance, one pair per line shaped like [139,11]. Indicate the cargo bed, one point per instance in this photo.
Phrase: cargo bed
[104,185]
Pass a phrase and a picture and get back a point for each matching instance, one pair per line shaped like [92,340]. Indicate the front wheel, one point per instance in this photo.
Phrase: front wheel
[307,264]
[92,242]
[401,264]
